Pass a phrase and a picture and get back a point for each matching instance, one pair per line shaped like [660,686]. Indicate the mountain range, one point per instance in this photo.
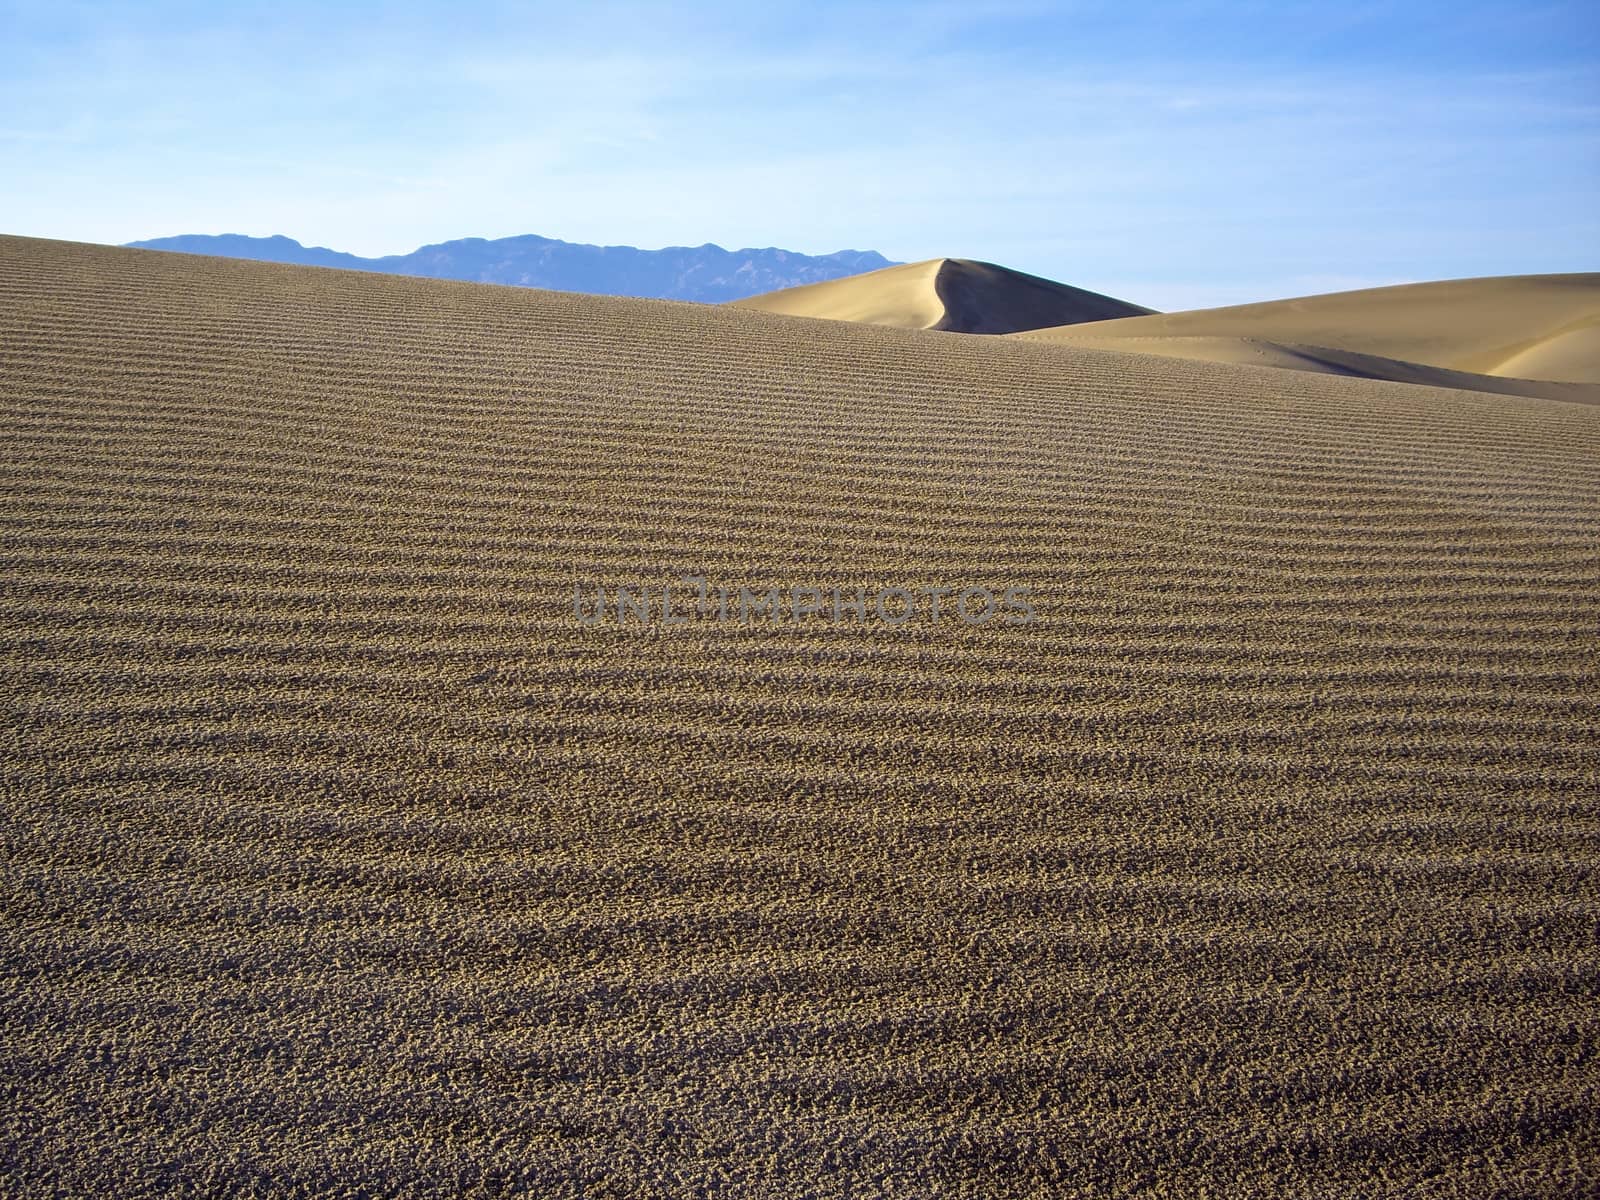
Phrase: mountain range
[707,274]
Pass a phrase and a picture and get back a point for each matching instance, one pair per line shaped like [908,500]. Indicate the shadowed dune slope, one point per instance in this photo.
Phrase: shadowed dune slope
[1543,327]
[951,294]
[342,858]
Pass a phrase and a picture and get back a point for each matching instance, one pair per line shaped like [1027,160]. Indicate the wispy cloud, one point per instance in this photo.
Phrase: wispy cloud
[1191,146]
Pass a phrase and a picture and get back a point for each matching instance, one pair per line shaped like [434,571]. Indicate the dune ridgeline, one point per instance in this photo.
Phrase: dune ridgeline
[951,294]
[1535,335]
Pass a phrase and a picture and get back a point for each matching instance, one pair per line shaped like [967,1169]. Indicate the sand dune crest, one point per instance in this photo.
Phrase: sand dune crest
[954,295]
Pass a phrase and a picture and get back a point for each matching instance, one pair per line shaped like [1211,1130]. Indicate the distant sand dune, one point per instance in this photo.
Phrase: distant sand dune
[1327,360]
[1543,327]
[955,295]
[1535,335]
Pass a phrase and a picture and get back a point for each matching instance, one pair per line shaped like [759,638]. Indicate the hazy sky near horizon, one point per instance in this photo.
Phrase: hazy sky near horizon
[1176,154]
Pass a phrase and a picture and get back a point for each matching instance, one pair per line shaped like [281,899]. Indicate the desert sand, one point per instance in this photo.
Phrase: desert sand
[340,858]
[1529,327]
[952,294]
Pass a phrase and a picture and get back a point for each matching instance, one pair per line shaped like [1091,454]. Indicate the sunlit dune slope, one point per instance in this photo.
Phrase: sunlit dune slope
[951,294]
[342,858]
[1543,327]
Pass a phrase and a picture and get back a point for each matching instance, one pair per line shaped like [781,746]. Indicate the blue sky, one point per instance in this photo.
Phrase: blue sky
[1175,154]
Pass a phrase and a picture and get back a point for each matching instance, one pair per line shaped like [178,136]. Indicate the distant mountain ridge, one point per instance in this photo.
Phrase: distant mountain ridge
[707,274]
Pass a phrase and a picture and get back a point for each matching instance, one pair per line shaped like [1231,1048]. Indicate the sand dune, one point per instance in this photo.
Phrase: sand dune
[950,294]
[1531,326]
[1325,360]
[342,857]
